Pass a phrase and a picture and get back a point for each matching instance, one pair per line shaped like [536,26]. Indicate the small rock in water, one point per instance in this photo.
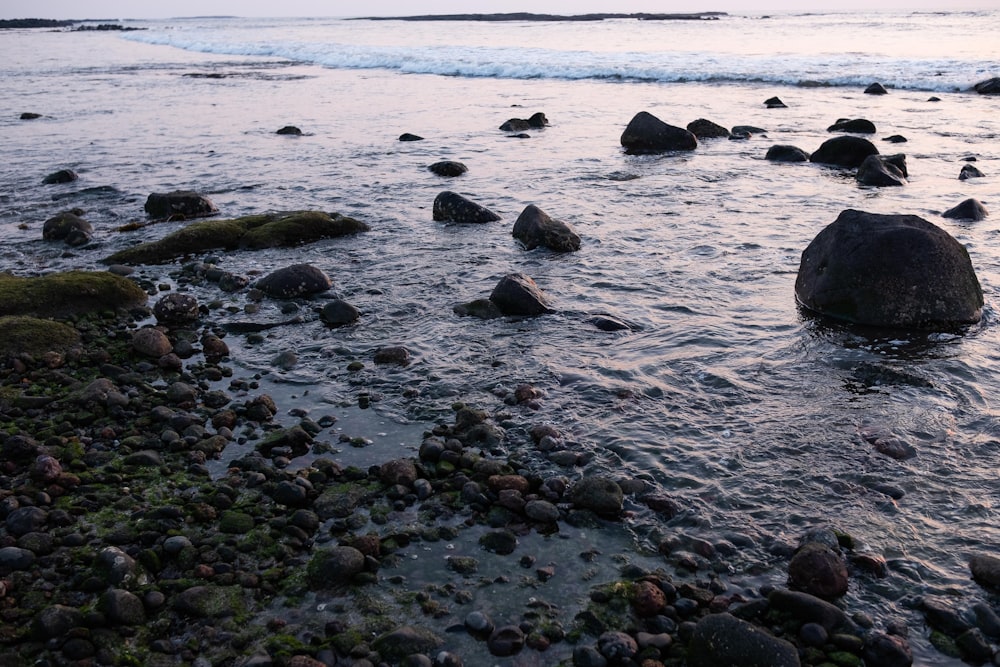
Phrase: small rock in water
[775,103]
[291,130]
[294,281]
[970,171]
[448,168]
[61,176]
[970,209]
[876,89]
[506,641]
[407,136]
[338,313]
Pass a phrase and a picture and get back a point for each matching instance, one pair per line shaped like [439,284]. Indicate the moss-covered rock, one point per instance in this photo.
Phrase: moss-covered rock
[35,336]
[69,293]
[254,232]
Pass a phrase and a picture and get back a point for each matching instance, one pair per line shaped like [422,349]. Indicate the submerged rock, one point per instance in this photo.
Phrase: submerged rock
[846,151]
[407,136]
[176,309]
[291,130]
[180,204]
[448,168]
[970,171]
[970,209]
[535,122]
[453,207]
[61,176]
[535,228]
[819,570]
[646,133]
[517,294]
[988,87]
[294,281]
[889,270]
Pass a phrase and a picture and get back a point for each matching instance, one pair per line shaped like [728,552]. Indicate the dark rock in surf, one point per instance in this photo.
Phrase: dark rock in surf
[61,176]
[294,281]
[985,570]
[818,570]
[338,313]
[970,171]
[176,309]
[406,136]
[179,204]
[535,228]
[723,639]
[889,270]
[885,650]
[706,129]
[844,151]
[989,86]
[290,130]
[882,171]
[785,153]
[452,207]
[517,294]
[30,115]
[448,168]
[970,209]
[483,309]
[69,227]
[601,495]
[393,355]
[775,103]
[648,134]
[748,129]
[876,89]
[608,323]
[895,139]
[853,125]
[536,122]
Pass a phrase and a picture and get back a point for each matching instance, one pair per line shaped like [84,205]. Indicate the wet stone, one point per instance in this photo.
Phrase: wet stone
[506,641]
[502,542]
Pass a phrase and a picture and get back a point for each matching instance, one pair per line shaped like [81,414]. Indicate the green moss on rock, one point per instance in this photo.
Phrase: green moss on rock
[69,293]
[35,336]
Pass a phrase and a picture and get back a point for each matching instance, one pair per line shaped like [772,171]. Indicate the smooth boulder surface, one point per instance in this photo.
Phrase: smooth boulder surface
[882,171]
[61,176]
[646,133]
[970,209]
[846,151]
[535,228]
[775,103]
[854,125]
[448,168]
[290,130]
[896,271]
[876,89]
[989,86]
[517,294]
[181,204]
[535,122]
[706,129]
[970,171]
[453,207]
[785,153]
[723,639]
[68,227]
[294,281]
[819,570]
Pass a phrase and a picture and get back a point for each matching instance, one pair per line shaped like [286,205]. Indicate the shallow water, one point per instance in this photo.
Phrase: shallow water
[724,394]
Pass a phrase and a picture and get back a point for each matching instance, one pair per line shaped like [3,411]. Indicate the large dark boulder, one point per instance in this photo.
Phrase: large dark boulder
[648,134]
[970,209]
[723,639]
[69,227]
[989,86]
[882,171]
[453,207]
[819,570]
[846,151]
[706,129]
[855,125]
[536,122]
[785,153]
[179,204]
[535,228]
[889,271]
[517,294]
[448,168]
[294,281]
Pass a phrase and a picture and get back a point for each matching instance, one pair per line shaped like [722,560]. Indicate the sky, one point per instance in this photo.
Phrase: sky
[120,9]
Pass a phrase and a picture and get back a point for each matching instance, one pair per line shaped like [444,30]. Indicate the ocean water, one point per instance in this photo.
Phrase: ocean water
[724,394]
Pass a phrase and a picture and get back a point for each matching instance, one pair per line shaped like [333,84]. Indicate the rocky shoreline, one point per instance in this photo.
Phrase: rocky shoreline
[120,547]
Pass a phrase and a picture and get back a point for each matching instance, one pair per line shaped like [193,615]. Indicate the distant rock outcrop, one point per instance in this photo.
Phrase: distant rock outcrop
[876,89]
[648,134]
[897,271]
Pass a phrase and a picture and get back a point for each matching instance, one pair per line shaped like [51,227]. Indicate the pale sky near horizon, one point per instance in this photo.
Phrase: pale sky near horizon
[121,9]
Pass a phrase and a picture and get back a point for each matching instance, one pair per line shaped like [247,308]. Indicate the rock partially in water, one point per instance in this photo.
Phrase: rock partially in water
[599,494]
[448,168]
[290,130]
[483,309]
[534,228]
[706,129]
[176,309]
[179,205]
[505,641]
[889,270]
[876,89]
[338,313]
[853,125]
[453,207]
[334,566]
[151,342]
[970,171]
[810,609]
[988,87]
[786,153]
[294,281]
[723,639]
[518,295]
[846,151]
[394,646]
[646,133]
[535,122]
[61,176]
[818,570]
[970,209]
[882,171]
[69,293]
